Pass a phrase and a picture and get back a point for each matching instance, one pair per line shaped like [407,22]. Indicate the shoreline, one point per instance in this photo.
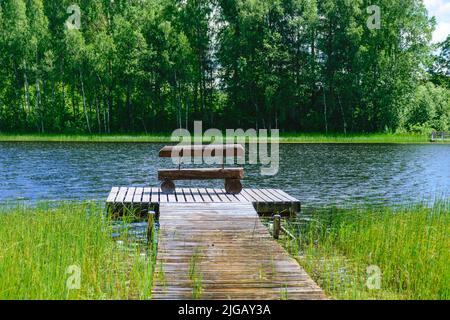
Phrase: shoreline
[284,138]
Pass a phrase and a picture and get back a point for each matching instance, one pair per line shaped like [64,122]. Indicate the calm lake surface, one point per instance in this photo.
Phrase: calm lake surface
[317,174]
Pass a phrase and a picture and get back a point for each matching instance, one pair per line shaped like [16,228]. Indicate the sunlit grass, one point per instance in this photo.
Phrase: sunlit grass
[355,138]
[43,247]
[410,246]
[165,138]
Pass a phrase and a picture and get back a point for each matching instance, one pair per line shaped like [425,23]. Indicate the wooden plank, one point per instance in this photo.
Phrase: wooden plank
[201,174]
[270,196]
[146,195]
[180,195]
[213,195]
[284,195]
[163,197]
[256,195]
[137,198]
[188,195]
[130,195]
[228,150]
[240,197]
[266,201]
[171,197]
[248,197]
[154,197]
[221,193]
[217,243]
[196,195]
[205,195]
[121,195]
[112,195]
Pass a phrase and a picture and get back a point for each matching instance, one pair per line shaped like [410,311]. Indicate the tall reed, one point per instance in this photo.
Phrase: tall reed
[344,249]
[67,252]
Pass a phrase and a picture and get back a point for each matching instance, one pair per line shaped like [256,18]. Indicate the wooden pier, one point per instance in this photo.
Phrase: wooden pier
[440,136]
[213,245]
[265,201]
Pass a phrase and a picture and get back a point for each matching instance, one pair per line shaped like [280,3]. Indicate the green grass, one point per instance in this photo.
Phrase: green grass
[43,248]
[165,138]
[410,246]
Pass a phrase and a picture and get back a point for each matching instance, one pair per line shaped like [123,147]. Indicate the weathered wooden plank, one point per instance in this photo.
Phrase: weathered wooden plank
[154,197]
[222,194]
[270,196]
[180,195]
[201,174]
[121,195]
[171,197]
[146,195]
[229,249]
[196,195]
[188,195]
[205,195]
[283,194]
[247,196]
[227,150]
[256,195]
[266,201]
[163,197]
[213,195]
[130,195]
[112,195]
[137,198]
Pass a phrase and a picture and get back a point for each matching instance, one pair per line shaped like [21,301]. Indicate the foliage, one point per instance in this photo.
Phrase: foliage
[156,65]
[428,110]
[409,246]
[43,247]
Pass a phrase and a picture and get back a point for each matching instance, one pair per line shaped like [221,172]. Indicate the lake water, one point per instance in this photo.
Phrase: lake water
[317,174]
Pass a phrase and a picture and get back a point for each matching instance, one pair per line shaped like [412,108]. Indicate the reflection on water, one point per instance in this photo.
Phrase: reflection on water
[316,174]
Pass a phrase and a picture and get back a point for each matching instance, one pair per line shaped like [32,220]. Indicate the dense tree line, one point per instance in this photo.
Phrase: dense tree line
[155,65]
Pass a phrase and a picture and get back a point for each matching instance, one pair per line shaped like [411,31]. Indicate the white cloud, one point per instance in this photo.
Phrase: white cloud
[441,10]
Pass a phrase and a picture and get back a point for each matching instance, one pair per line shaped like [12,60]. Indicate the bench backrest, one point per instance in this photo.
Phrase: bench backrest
[226,150]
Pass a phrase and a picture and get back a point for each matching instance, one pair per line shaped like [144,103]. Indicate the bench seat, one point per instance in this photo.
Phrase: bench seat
[201,174]
[227,150]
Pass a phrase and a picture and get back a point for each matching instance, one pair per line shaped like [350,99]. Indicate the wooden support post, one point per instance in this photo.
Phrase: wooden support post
[276,226]
[150,227]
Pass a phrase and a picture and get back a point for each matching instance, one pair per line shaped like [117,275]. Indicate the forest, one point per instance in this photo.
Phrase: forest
[148,66]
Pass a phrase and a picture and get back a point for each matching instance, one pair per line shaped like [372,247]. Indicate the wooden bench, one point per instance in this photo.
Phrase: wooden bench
[232,176]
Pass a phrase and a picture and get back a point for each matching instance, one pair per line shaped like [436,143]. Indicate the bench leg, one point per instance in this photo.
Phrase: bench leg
[167,186]
[233,186]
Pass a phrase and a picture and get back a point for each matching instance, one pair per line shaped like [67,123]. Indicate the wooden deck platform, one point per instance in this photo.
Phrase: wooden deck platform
[265,201]
[221,250]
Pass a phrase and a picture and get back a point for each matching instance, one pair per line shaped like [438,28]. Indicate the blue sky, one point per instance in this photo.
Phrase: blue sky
[441,10]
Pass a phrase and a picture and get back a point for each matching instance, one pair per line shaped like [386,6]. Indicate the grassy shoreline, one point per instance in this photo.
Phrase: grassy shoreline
[66,252]
[344,250]
[409,245]
[288,138]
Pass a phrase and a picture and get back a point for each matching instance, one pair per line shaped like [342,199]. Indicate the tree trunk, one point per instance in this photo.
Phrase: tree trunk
[342,113]
[27,94]
[84,103]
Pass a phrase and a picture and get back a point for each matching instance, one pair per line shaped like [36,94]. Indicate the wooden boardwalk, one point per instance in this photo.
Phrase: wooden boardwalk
[265,201]
[221,250]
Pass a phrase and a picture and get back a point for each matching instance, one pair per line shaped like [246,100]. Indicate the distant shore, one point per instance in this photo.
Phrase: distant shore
[291,138]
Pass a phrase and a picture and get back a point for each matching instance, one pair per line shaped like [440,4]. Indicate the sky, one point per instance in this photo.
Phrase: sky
[441,10]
